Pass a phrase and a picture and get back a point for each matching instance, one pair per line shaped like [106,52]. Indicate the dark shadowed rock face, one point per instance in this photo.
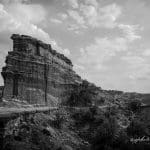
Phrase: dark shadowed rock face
[1,91]
[36,73]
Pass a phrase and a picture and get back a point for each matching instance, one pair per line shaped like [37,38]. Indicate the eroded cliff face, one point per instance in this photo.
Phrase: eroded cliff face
[36,73]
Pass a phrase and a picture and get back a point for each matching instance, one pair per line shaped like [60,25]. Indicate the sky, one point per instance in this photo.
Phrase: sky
[108,41]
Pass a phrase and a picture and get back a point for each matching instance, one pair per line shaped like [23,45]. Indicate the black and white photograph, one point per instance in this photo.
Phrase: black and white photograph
[74,74]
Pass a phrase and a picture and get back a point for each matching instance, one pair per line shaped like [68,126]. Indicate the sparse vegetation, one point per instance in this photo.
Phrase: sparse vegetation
[83,124]
[134,105]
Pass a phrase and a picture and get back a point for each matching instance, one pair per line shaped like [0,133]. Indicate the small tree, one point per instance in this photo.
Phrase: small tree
[137,128]
[134,105]
[105,134]
[83,96]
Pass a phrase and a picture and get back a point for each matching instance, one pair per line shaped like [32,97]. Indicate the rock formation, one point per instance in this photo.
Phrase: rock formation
[36,73]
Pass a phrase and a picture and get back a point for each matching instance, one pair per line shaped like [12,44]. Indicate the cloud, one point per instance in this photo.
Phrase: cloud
[78,67]
[102,50]
[73,3]
[15,19]
[138,67]
[146,52]
[91,2]
[133,59]
[75,28]
[75,15]
[108,67]
[109,14]
[63,16]
[57,21]
[66,52]
[14,1]
[21,18]
[26,12]
[130,31]
[89,13]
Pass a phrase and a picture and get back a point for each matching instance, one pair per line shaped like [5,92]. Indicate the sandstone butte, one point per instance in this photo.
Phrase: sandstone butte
[36,73]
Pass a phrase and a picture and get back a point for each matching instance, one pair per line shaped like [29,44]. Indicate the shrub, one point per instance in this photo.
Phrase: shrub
[137,128]
[134,105]
[83,96]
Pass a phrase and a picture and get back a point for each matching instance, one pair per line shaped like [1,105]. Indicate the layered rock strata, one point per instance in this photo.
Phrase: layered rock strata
[36,73]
